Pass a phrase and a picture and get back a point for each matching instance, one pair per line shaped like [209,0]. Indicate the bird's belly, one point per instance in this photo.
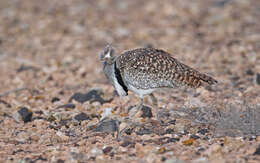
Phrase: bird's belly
[141,92]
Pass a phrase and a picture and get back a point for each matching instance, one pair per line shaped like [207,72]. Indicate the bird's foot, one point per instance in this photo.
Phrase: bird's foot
[129,124]
[132,112]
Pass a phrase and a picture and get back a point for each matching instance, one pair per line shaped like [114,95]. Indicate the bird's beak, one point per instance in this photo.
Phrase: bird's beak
[108,55]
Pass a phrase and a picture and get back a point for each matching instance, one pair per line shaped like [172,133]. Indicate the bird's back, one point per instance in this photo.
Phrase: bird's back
[148,68]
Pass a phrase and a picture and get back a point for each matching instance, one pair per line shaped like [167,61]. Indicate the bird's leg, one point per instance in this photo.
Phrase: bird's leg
[130,125]
[134,110]
[155,106]
[154,100]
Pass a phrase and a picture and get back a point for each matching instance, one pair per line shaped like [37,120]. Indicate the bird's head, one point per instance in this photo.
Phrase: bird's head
[108,56]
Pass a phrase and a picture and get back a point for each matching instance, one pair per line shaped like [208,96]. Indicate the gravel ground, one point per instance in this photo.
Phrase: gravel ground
[57,106]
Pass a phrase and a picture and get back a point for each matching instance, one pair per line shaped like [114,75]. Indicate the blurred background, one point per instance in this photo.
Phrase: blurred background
[219,37]
[61,40]
[56,44]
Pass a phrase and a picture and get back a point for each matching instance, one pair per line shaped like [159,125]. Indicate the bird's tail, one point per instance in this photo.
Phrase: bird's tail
[207,79]
[195,79]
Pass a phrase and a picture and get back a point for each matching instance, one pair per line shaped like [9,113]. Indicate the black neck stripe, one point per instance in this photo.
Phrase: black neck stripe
[119,79]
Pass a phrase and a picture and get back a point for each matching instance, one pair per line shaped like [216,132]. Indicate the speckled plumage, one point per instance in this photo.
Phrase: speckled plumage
[147,68]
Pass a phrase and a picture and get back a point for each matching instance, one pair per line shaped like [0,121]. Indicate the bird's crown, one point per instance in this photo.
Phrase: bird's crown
[108,55]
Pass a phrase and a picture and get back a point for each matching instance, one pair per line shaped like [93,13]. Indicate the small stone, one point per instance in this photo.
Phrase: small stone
[34,138]
[258,78]
[23,114]
[143,131]
[161,150]
[222,3]
[67,106]
[39,112]
[179,127]
[96,151]
[257,151]
[203,131]
[147,112]
[194,137]
[81,117]
[55,99]
[188,142]
[174,160]
[169,131]
[107,125]
[5,103]
[26,68]
[163,159]
[60,161]
[249,72]
[170,140]
[129,131]
[173,122]
[75,156]
[215,148]
[126,143]
[50,117]
[92,96]
[107,149]
[106,113]
[40,158]
[64,122]
[62,136]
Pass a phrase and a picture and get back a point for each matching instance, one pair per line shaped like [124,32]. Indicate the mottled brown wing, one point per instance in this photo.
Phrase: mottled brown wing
[148,68]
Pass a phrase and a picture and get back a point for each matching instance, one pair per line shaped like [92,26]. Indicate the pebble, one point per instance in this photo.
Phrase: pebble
[81,117]
[55,99]
[60,161]
[215,148]
[163,159]
[258,78]
[64,122]
[127,143]
[147,112]
[62,136]
[257,151]
[188,142]
[34,138]
[96,151]
[67,106]
[169,131]
[170,140]
[108,149]
[26,68]
[5,103]
[203,131]
[174,160]
[92,96]
[23,114]
[107,125]
[106,113]
[161,150]
[173,122]
[77,157]
[143,131]
[179,127]
[129,131]
[249,72]
[194,137]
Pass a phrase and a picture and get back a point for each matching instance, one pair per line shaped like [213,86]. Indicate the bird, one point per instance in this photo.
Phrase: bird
[145,70]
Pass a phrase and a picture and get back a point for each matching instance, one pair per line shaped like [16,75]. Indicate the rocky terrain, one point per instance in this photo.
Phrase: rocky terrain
[57,106]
